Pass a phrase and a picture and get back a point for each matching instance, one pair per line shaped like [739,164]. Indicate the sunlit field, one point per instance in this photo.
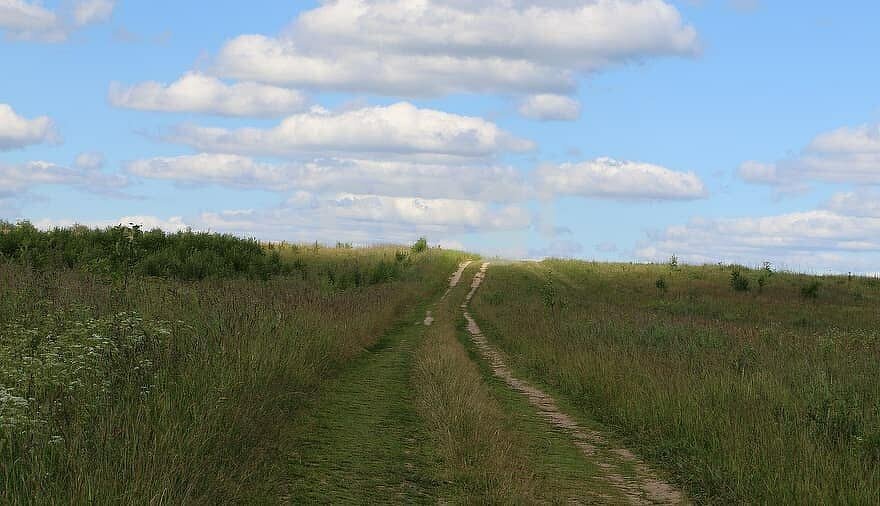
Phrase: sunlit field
[749,385]
[145,367]
[128,378]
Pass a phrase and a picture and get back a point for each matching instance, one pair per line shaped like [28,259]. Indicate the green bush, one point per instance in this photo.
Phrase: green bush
[738,281]
[127,250]
[420,245]
[811,290]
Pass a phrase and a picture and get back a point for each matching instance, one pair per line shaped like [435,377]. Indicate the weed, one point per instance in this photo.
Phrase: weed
[661,285]
[550,294]
[810,290]
[738,281]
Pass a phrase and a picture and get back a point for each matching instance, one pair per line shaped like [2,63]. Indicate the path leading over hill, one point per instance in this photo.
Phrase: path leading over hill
[621,468]
[415,420]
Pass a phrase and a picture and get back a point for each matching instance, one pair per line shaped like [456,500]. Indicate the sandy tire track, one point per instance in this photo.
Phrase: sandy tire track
[641,487]
[453,282]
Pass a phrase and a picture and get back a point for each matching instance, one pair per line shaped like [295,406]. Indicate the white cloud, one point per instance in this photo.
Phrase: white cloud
[398,129]
[608,178]
[817,239]
[550,107]
[845,155]
[366,218]
[380,177]
[25,20]
[90,161]
[15,179]
[17,132]
[86,12]
[414,48]
[195,92]
[863,203]
[21,17]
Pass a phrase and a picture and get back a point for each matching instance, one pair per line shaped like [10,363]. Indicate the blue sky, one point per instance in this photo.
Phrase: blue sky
[714,130]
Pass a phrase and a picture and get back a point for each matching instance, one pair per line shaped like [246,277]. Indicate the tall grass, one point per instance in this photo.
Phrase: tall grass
[480,455]
[765,396]
[170,391]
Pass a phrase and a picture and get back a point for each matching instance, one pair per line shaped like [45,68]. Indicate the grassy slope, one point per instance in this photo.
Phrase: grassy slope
[754,397]
[361,440]
[241,359]
[491,446]
[415,421]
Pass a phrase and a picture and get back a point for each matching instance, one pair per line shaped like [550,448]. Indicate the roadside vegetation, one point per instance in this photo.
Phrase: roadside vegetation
[121,383]
[749,385]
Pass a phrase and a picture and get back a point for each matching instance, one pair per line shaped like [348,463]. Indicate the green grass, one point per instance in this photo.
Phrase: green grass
[758,396]
[360,441]
[224,365]
[139,367]
[492,446]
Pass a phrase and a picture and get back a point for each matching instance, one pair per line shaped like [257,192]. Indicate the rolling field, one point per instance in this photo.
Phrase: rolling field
[141,367]
[765,395]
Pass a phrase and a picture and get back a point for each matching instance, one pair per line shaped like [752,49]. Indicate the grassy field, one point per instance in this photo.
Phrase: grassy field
[144,367]
[117,387]
[748,385]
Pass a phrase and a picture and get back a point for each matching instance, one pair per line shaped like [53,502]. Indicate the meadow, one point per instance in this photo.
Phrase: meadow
[748,385]
[146,367]
[121,382]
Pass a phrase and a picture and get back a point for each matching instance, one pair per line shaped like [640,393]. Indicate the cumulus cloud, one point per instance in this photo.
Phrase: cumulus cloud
[400,47]
[15,179]
[366,218]
[819,239]
[19,17]
[845,155]
[17,132]
[865,203]
[195,92]
[550,107]
[398,129]
[613,179]
[380,177]
[25,20]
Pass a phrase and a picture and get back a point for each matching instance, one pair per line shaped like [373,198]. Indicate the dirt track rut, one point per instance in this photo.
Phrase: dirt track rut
[621,468]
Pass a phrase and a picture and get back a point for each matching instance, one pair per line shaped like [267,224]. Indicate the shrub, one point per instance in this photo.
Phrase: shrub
[661,285]
[811,290]
[738,281]
[550,294]
[124,250]
[420,245]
